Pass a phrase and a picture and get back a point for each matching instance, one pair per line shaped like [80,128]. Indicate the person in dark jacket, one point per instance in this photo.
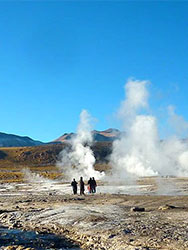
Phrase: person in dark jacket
[90,185]
[82,186]
[93,185]
[74,186]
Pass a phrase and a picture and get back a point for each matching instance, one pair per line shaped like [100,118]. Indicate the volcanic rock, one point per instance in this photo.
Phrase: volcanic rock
[166,207]
[137,209]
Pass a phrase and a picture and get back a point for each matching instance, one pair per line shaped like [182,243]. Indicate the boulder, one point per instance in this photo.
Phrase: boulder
[166,207]
[137,209]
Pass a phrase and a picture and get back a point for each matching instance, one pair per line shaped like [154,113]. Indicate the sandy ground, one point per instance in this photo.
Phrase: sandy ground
[105,220]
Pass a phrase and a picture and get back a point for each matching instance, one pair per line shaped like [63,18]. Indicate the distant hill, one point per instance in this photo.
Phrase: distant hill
[9,140]
[46,155]
[65,137]
[108,135]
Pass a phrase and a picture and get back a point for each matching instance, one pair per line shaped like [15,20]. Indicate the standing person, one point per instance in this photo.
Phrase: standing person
[90,185]
[94,184]
[74,186]
[82,186]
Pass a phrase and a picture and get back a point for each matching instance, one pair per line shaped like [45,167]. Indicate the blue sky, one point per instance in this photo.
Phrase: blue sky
[58,58]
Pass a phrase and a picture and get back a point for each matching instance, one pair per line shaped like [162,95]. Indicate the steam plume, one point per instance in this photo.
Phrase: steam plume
[136,99]
[177,122]
[139,151]
[34,177]
[80,160]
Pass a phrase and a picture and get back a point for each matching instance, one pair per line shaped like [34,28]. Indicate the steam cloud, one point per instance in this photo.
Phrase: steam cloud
[178,124]
[139,151]
[80,160]
[34,177]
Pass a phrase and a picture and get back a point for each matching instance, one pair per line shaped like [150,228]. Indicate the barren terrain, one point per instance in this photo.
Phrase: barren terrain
[105,220]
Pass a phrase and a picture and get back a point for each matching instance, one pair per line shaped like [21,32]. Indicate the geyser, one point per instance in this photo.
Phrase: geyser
[80,160]
[139,151]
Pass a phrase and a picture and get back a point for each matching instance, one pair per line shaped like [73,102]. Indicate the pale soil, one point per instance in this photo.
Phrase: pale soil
[102,221]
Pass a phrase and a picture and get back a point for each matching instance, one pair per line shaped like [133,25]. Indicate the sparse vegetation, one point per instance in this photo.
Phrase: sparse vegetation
[42,160]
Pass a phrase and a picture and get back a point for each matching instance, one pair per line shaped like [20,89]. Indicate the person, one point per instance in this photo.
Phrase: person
[82,186]
[93,185]
[90,185]
[74,186]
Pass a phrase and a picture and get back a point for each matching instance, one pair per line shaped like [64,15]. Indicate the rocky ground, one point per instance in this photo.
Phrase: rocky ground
[100,221]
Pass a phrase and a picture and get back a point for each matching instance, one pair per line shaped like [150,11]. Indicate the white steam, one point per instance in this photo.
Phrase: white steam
[177,122]
[34,177]
[139,151]
[136,99]
[80,160]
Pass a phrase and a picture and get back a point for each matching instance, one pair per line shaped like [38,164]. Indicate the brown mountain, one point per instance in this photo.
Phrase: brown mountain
[99,136]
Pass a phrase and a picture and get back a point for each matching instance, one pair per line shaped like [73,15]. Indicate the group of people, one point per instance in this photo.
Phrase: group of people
[91,186]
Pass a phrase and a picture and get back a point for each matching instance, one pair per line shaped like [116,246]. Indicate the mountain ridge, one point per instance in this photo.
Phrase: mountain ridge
[110,134]
[11,140]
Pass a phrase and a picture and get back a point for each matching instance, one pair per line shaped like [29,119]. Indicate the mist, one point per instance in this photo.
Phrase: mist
[140,151]
[29,176]
[80,160]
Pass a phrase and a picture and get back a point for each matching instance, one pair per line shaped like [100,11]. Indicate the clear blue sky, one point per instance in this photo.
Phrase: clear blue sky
[57,58]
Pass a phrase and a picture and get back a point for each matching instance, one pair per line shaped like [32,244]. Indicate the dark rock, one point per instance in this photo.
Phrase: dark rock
[166,207]
[112,236]
[127,231]
[137,209]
